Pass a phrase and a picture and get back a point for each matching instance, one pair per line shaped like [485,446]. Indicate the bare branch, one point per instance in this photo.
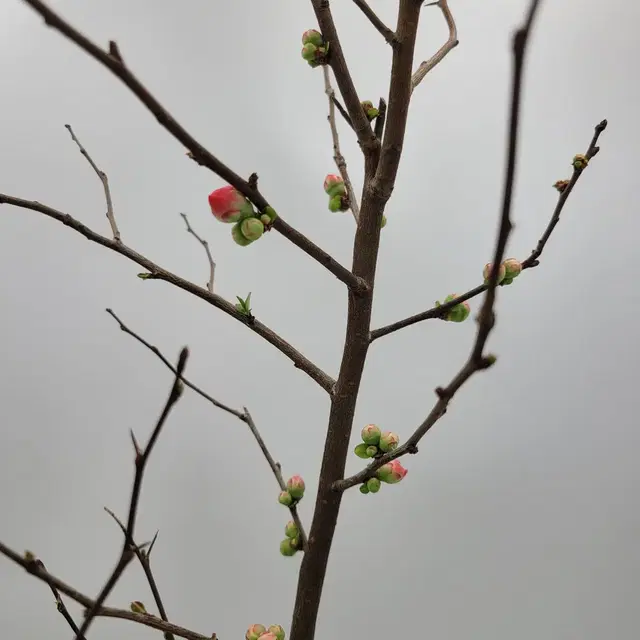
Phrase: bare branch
[141,459]
[113,60]
[144,557]
[243,415]
[105,183]
[31,565]
[385,32]
[157,272]
[380,119]
[341,163]
[530,262]
[439,55]
[205,244]
[342,110]
[477,361]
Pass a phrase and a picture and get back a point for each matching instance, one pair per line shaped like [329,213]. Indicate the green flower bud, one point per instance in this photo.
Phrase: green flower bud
[361,451]
[459,313]
[488,268]
[373,484]
[580,161]
[309,52]
[371,451]
[364,489]
[336,204]
[285,498]
[290,530]
[383,224]
[137,607]
[286,548]
[238,236]
[371,434]
[312,36]
[277,631]
[252,229]
[388,441]
[513,269]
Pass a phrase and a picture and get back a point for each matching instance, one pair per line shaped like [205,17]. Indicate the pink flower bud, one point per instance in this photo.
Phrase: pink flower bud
[309,52]
[277,631]
[513,268]
[229,205]
[373,484]
[392,472]
[371,434]
[290,530]
[287,547]
[285,499]
[312,36]
[388,441]
[252,228]
[486,272]
[295,486]
[255,631]
[268,636]
[334,185]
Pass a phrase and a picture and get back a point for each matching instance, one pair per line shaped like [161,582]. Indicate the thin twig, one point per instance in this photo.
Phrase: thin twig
[28,562]
[141,460]
[387,34]
[243,415]
[156,272]
[205,244]
[60,605]
[530,262]
[477,361]
[341,163]
[342,110]
[105,183]
[112,59]
[144,557]
[439,55]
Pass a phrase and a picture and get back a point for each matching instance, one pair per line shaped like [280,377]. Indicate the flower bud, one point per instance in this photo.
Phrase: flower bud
[285,499]
[238,236]
[580,161]
[277,631]
[229,205]
[286,547]
[270,212]
[268,636]
[488,268]
[295,486]
[371,434]
[373,484]
[265,219]
[290,530]
[460,312]
[334,185]
[370,111]
[339,203]
[137,607]
[561,185]
[513,269]
[388,441]
[255,631]
[312,36]
[364,489]
[361,451]
[383,223]
[252,229]
[392,472]
[372,451]
[309,52]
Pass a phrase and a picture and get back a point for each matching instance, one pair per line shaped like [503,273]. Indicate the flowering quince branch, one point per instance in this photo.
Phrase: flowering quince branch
[105,184]
[205,244]
[243,415]
[341,163]
[385,32]
[156,272]
[565,188]
[112,60]
[439,55]
[342,110]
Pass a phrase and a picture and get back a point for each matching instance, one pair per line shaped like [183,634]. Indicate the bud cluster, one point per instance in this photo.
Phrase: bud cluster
[510,269]
[375,443]
[260,632]
[336,189]
[230,206]
[314,49]
[292,543]
[294,492]
[458,313]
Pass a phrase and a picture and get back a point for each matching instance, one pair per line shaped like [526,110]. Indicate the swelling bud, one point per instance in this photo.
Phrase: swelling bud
[295,487]
[371,434]
[254,632]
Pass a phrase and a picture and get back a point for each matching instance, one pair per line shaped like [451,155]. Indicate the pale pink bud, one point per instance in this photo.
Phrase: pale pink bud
[334,185]
[229,205]
[371,434]
[488,268]
[513,268]
[295,486]
[268,636]
[312,36]
[277,631]
[388,441]
[392,472]
[255,631]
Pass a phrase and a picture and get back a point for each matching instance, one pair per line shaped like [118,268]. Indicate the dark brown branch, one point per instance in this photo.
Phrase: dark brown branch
[342,110]
[531,261]
[385,32]
[380,118]
[205,244]
[158,273]
[141,459]
[60,605]
[359,120]
[31,565]
[477,361]
[112,60]
[365,254]
[243,415]
[144,558]
[105,184]
[439,55]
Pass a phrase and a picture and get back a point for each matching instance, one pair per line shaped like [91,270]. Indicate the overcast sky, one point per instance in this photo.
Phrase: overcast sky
[518,518]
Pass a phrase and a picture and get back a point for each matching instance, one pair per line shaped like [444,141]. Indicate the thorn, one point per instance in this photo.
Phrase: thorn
[114,52]
[136,447]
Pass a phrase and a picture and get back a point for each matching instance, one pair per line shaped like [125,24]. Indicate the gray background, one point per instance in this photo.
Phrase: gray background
[518,518]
